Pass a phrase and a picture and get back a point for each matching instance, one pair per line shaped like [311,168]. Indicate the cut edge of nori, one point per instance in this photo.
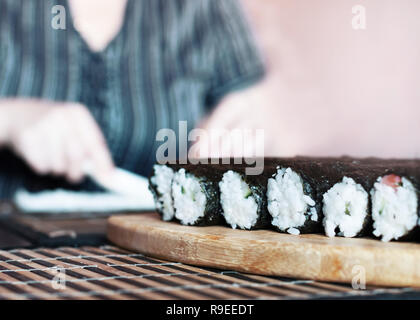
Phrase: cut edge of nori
[324,173]
[414,233]
[309,225]
[259,193]
[212,211]
[157,195]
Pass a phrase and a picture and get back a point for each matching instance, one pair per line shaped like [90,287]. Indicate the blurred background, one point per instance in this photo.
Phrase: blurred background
[338,90]
[102,88]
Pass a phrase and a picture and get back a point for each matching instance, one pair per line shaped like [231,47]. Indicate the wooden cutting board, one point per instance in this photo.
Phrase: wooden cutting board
[270,253]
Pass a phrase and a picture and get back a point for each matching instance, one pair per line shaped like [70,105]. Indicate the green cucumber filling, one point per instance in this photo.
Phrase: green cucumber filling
[248,193]
[347,209]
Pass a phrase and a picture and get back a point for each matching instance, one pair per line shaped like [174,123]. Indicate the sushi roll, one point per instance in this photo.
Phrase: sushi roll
[291,202]
[346,209]
[195,196]
[160,184]
[343,196]
[394,207]
[344,184]
[243,200]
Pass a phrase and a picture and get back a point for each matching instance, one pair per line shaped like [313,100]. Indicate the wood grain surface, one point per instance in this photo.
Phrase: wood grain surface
[268,252]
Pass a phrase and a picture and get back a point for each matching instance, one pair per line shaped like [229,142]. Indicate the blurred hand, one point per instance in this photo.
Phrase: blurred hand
[248,123]
[55,138]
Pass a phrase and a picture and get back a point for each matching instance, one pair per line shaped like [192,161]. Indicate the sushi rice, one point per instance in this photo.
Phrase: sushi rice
[345,208]
[188,197]
[239,206]
[394,207]
[162,180]
[290,199]
[287,203]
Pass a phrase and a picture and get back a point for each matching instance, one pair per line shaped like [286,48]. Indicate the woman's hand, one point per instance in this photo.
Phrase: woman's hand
[245,124]
[54,138]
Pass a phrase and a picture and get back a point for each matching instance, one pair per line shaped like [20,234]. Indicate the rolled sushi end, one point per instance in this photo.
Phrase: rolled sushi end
[394,207]
[240,209]
[189,198]
[162,182]
[345,208]
[288,204]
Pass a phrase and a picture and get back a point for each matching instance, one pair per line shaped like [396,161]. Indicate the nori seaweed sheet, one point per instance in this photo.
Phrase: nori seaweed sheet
[256,183]
[304,170]
[372,168]
[209,182]
[325,172]
[210,175]
[258,186]
[319,174]
[410,169]
[156,194]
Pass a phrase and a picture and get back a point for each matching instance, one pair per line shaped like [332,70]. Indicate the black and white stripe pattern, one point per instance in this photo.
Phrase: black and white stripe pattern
[171,61]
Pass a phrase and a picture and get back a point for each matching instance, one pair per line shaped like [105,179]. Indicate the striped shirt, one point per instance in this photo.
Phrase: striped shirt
[171,61]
